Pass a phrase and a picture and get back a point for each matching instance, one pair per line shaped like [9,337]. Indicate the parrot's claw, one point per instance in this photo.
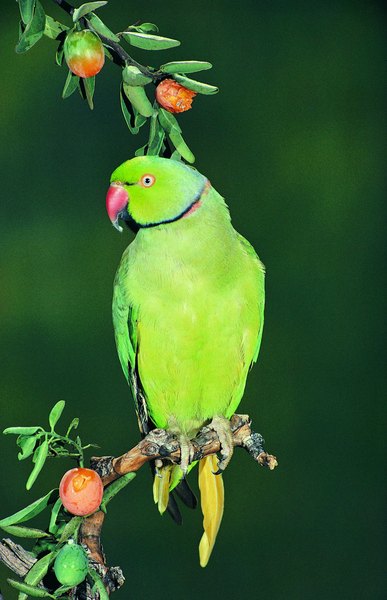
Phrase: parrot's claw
[186,453]
[222,428]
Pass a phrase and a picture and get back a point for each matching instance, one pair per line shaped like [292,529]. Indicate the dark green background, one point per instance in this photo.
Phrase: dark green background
[295,143]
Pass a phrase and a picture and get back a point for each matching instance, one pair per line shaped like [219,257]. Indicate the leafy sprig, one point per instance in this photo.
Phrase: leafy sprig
[137,105]
[42,444]
[62,527]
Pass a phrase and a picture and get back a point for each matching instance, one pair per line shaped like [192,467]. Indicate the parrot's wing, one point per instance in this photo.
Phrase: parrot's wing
[125,319]
[248,248]
[125,327]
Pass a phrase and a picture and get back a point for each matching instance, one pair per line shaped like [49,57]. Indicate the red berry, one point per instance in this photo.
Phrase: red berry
[172,96]
[84,53]
[81,491]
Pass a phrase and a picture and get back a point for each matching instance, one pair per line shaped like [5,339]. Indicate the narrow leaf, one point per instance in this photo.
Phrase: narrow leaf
[185,66]
[99,585]
[99,27]
[26,8]
[180,145]
[52,528]
[24,532]
[29,590]
[73,425]
[28,512]
[59,54]
[89,85]
[144,28]
[39,459]
[168,121]
[141,151]
[156,136]
[55,413]
[133,76]
[22,430]
[52,28]
[27,444]
[149,42]
[139,100]
[39,569]
[33,31]
[116,487]
[70,85]
[85,9]
[128,112]
[196,86]
[71,529]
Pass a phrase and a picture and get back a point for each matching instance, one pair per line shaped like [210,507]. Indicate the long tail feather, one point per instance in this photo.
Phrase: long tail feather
[212,502]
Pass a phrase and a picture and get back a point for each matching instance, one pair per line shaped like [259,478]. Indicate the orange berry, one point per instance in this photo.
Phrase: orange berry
[172,96]
[84,53]
[81,491]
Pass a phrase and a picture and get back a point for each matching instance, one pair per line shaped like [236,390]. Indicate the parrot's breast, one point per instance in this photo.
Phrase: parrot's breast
[196,293]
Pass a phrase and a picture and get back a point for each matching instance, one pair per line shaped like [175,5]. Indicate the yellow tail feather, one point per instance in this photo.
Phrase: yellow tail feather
[212,502]
[161,485]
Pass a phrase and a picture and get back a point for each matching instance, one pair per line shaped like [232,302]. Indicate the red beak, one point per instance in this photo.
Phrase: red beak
[117,199]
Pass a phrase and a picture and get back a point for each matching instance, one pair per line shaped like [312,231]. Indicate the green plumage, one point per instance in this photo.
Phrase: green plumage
[188,316]
[188,310]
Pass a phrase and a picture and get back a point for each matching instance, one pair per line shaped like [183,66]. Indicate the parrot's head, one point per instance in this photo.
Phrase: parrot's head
[147,191]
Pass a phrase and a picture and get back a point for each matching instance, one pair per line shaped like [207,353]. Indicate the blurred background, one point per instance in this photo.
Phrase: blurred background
[294,141]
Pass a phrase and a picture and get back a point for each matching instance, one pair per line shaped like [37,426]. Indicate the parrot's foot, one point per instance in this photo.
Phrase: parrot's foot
[222,428]
[186,453]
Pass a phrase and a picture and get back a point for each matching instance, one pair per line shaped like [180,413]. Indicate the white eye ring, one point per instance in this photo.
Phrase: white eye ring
[147,180]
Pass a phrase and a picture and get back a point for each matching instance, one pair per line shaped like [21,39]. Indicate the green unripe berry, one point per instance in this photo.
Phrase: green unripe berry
[84,53]
[71,565]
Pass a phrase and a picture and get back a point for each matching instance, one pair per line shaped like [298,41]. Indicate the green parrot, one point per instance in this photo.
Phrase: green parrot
[188,309]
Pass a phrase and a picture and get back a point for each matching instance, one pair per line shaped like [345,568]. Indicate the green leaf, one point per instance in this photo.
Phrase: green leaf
[27,444]
[185,66]
[156,136]
[140,152]
[133,76]
[180,145]
[52,528]
[149,42]
[144,28]
[22,430]
[71,529]
[119,484]
[56,413]
[70,85]
[29,590]
[139,100]
[196,86]
[39,569]
[39,459]
[73,425]
[59,54]
[87,86]
[24,532]
[99,27]
[85,9]
[52,28]
[98,584]
[176,155]
[30,511]
[26,8]
[168,121]
[33,31]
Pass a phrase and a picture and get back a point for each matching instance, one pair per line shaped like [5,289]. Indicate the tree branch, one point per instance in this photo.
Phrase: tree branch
[158,444]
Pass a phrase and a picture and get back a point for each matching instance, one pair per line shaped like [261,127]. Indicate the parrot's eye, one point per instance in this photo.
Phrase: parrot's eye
[147,180]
